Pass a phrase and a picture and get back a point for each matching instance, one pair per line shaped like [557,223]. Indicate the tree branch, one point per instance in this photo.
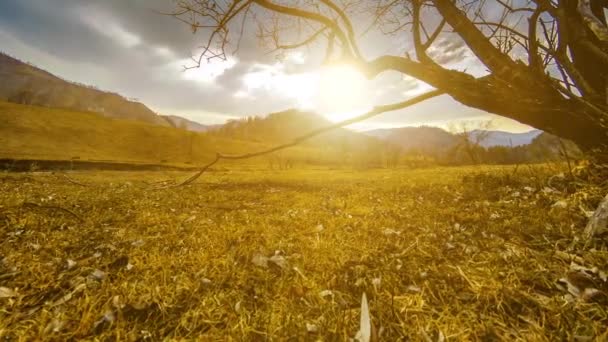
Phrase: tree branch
[533,56]
[499,63]
[374,112]
[299,13]
[421,54]
[348,24]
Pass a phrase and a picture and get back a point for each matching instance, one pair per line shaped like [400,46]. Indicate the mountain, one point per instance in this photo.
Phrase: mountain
[424,139]
[500,138]
[427,139]
[189,125]
[284,126]
[548,144]
[24,83]
[339,147]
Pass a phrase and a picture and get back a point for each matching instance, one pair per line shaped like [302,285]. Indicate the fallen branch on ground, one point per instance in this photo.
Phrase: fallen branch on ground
[73,181]
[52,207]
[374,112]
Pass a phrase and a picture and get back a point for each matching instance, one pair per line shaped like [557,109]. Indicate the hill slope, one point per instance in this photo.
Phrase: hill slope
[40,133]
[189,125]
[26,84]
[284,126]
[423,139]
[32,132]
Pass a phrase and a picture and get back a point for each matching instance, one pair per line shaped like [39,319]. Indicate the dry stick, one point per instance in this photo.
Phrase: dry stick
[52,207]
[74,181]
[565,155]
[374,112]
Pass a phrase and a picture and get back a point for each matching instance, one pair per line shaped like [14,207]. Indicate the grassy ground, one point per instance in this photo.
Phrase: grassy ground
[460,253]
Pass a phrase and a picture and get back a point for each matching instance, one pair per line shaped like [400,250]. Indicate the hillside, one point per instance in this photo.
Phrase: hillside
[284,126]
[339,146]
[423,139]
[189,125]
[40,133]
[23,83]
[33,132]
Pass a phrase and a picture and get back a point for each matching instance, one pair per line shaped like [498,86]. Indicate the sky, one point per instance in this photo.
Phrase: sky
[126,46]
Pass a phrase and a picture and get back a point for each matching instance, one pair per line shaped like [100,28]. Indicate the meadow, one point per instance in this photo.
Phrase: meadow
[468,253]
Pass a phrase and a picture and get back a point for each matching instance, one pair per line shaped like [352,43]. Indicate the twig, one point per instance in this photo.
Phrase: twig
[374,112]
[9,275]
[68,211]
[566,156]
[71,180]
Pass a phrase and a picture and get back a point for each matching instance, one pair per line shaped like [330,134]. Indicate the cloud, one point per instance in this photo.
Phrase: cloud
[207,73]
[450,50]
[107,26]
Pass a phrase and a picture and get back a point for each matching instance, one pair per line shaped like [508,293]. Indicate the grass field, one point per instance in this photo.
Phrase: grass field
[446,253]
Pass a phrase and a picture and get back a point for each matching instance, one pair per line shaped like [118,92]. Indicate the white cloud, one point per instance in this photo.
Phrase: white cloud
[242,94]
[106,25]
[163,51]
[272,80]
[206,73]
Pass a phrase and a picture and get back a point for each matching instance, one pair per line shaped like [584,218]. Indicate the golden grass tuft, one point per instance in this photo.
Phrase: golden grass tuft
[455,253]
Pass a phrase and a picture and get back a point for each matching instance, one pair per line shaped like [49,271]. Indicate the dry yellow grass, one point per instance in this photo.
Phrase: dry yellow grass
[461,253]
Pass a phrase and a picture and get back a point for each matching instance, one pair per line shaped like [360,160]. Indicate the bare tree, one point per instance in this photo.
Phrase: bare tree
[546,60]
[471,135]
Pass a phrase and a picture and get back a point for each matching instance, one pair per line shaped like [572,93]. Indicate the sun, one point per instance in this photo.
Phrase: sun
[342,92]
[337,92]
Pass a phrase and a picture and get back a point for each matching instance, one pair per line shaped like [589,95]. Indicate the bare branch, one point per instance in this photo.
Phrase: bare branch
[420,50]
[533,55]
[374,112]
[306,41]
[321,19]
[488,54]
[348,24]
[434,35]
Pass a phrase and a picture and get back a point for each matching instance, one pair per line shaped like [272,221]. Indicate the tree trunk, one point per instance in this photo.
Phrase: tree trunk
[581,38]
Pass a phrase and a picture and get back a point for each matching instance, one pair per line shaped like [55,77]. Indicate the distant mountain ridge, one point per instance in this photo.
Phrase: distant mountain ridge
[23,83]
[502,138]
[425,138]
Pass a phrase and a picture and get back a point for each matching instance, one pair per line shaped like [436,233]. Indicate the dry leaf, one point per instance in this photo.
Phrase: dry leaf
[260,260]
[365,330]
[279,260]
[98,275]
[312,328]
[5,292]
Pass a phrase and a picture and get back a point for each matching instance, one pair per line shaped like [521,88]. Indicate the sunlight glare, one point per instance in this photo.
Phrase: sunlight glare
[343,93]
[337,92]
